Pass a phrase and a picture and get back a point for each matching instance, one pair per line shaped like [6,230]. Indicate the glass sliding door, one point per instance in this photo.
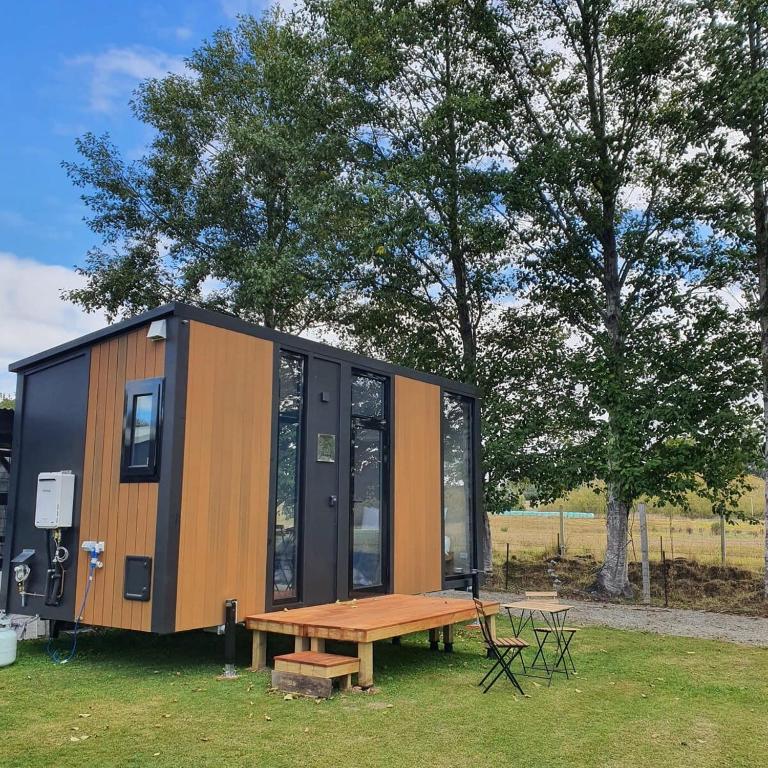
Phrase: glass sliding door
[290,431]
[457,485]
[369,484]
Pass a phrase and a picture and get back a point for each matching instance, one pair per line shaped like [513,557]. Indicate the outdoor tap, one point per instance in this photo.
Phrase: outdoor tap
[21,574]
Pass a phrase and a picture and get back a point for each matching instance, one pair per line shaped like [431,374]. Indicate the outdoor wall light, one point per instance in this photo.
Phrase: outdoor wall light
[157,331]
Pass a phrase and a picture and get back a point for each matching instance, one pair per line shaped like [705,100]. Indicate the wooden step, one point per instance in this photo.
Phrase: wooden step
[316,664]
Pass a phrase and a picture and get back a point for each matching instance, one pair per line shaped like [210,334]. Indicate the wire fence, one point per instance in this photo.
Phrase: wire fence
[697,539]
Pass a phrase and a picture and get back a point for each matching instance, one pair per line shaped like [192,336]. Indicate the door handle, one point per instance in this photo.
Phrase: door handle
[332,501]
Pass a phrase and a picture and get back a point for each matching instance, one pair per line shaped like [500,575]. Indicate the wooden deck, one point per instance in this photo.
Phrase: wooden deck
[363,622]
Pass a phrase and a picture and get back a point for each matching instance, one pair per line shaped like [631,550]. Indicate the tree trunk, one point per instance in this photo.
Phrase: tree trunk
[613,577]
[760,216]
[761,227]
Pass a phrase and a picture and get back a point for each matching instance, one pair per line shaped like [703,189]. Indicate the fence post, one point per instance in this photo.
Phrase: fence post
[562,533]
[664,574]
[644,554]
[722,540]
[506,571]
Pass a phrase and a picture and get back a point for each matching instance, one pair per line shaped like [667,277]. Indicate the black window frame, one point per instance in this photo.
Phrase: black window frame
[382,425]
[298,417]
[130,473]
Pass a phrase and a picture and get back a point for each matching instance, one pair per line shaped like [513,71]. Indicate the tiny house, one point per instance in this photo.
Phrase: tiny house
[183,458]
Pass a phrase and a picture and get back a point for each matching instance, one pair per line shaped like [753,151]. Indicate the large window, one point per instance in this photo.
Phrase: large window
[288,500]
[369,464]
[457,484]
[141,430]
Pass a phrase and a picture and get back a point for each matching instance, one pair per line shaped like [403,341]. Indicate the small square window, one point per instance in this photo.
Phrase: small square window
[141,430]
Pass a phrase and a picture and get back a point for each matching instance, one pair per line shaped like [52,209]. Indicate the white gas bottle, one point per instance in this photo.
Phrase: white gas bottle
[7,641]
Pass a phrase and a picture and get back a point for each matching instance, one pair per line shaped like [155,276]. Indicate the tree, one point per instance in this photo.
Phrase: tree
[432,245]
[587,100]
[233,202]
[729,123]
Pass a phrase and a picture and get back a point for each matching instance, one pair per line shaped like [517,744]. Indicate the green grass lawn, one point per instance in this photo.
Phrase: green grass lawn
[639,700]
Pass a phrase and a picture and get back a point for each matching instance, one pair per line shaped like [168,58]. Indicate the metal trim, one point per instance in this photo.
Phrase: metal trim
[91,338]
[167,530]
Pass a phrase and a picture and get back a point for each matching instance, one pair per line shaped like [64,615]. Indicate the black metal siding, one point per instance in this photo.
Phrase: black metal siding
[49,435]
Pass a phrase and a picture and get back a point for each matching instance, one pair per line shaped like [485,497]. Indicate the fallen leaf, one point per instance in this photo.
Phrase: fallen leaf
[74,738]
[155,754]
[267,717]
[84,714]
[287,697]
[578,690]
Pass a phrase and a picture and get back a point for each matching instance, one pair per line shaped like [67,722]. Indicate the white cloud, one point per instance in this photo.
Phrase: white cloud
[234,8]
[115,72]
[33,316]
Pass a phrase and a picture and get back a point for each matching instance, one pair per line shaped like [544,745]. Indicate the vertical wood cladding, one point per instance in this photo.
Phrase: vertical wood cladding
[417,493]
[225,488]
[123,515]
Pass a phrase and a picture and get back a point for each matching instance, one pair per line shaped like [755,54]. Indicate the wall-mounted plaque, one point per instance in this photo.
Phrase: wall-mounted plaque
[326,448]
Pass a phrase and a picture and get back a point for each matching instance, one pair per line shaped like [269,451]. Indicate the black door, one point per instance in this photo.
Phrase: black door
[322,482]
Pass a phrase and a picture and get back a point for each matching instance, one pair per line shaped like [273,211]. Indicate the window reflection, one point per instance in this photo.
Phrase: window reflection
[369,446]
[457,484]
[289,437]
[142,430]
[368,397]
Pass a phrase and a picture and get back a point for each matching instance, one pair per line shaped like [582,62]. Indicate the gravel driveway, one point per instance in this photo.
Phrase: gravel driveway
[747,630]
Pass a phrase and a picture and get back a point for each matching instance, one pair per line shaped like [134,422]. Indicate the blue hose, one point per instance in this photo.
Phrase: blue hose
[55,655]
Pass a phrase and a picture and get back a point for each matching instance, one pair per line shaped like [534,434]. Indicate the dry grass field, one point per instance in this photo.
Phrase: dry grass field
[694,539]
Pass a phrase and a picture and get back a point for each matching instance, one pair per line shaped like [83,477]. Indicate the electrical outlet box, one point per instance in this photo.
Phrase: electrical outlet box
[55,500]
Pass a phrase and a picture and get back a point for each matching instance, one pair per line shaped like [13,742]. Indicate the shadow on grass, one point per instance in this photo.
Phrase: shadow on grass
[138,652]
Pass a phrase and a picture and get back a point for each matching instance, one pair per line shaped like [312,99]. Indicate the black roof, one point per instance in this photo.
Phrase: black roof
[230,322]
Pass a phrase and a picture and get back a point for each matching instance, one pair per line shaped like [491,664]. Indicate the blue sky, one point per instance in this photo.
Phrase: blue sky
[68,68]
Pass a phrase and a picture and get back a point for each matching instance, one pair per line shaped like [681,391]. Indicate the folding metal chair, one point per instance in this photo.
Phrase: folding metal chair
[503,649]
[563,637]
